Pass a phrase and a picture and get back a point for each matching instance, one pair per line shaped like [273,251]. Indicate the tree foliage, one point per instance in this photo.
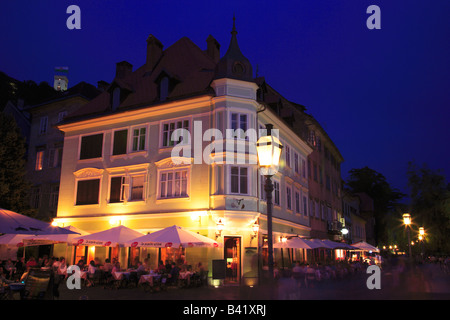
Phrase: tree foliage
[430,205]
[385,198]
[13,186]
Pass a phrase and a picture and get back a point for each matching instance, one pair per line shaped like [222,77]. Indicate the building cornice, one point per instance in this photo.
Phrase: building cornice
[136,114]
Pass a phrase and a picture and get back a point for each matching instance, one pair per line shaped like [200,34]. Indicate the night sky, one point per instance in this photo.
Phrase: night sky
[383,96]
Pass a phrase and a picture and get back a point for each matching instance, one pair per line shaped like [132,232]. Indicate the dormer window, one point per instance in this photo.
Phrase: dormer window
[115,98]
[164,88]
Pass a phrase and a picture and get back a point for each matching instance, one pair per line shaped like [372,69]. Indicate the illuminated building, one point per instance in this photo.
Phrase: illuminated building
[118,165]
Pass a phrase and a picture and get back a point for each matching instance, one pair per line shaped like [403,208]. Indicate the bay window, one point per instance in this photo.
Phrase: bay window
[239,180]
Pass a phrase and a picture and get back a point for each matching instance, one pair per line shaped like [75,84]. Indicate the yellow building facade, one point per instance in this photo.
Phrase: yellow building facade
[125,167]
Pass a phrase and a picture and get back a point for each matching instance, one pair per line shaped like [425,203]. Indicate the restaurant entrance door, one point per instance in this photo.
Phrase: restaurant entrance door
[232,254]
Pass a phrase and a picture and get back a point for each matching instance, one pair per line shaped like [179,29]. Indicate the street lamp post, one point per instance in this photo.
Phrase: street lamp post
[269,152]
[407,222]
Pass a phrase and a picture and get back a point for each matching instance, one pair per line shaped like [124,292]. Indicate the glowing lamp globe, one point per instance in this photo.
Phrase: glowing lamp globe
[269,151]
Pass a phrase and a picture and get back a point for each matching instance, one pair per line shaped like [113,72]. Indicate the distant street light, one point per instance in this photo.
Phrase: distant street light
[421,237]
[407,222]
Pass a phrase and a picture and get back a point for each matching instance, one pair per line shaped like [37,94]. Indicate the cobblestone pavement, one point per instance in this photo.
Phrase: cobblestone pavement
[423,282]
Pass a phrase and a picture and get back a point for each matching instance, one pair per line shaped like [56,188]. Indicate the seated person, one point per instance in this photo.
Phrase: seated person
[107,267]
[173,274]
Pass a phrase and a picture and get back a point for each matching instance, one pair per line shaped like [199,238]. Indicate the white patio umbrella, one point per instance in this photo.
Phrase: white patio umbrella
[364,246]
[321,244]
[55,238]
[15,223]
[297,243]
[116,236]
[173,236]
[337,245]
[13,239]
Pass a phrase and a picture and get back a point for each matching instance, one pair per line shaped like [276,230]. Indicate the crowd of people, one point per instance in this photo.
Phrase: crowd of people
[107,273]
[17,270]
[309,274]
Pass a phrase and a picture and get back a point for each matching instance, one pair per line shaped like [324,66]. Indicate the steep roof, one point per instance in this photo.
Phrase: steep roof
[82,89]
[234,64]
[190,71]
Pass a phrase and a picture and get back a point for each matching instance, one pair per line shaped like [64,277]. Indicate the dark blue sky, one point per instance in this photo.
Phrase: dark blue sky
[383,96]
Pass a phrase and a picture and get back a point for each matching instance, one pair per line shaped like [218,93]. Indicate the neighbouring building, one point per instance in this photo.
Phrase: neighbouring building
[367,211]
[354,222]
[322,166]
[45,146]
[122,164]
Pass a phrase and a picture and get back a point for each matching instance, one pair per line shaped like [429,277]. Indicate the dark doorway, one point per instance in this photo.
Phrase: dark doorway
[232,254]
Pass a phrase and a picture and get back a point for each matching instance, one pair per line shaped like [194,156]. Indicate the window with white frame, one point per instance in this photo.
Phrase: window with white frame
[173,183]
[288,156]
[43,125]
[139,135]
[120,142]
[296,163]
[303,168]
[288,198]
[239,177]
[168,129]
[88,192]
[297,201]
[239,124]
[276,193]
[91,146]
[137,187]
[117,189]
[128,188]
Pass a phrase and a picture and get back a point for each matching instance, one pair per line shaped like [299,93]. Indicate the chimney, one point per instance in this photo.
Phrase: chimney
[154,52]
[213,48]
[102,85]
[123,69]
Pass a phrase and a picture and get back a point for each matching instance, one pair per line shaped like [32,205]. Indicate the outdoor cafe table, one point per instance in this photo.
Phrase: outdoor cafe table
[185,275]
[148,278]
[119,275]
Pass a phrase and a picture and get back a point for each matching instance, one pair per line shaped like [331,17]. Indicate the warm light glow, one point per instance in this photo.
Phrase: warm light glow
[420,237]
[220,225]
[421,231]
[116,221]
[255,228]
[283,239]
[196,215]
[54,223]
[344,231]
[269,153]
[407,219]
